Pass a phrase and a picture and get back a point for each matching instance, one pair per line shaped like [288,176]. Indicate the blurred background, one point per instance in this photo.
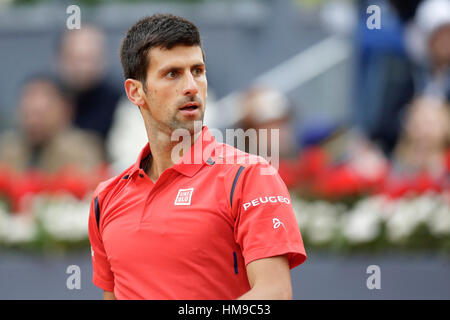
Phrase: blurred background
[359,93]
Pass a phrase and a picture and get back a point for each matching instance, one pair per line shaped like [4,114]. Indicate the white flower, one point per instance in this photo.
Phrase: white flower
[300,211]
[15,229]
[406,215]
[439,221]
[4,221]
[322,221]
[363,223]
[65,219]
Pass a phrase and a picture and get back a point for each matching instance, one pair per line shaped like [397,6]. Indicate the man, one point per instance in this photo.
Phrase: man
[197,227]
[425,140]
[45,139]
[81,65]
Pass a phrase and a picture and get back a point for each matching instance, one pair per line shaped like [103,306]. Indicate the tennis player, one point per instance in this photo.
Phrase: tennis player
[204,221]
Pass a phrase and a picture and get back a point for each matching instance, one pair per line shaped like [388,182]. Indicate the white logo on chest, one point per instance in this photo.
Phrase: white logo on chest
[184,197]
[277,223]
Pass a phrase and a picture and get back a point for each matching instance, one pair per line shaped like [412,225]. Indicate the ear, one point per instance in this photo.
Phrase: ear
[135,92]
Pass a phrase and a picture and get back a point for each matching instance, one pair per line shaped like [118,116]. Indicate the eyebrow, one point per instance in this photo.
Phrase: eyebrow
[177,68]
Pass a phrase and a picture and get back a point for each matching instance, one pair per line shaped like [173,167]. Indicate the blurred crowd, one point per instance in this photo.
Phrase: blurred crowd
[397,141]
[74,128]
[64,117]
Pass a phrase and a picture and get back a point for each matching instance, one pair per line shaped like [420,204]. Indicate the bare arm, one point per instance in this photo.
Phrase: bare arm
[108,295]
[270,279]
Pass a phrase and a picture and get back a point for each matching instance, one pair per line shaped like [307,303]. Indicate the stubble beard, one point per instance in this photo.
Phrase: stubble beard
[177,121]
[190,125]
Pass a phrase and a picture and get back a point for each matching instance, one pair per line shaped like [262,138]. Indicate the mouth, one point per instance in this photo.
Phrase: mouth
[191,106]
[190,109]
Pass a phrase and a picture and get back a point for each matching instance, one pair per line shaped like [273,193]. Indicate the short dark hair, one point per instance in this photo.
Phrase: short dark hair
[52,79]
[159,30]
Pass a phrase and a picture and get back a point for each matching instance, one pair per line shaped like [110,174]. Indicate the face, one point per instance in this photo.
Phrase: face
[176,88]
[440,47]
[82,58]
[428,123]
[42,111]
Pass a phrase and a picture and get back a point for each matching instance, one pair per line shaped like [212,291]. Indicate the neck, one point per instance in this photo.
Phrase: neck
[163,154]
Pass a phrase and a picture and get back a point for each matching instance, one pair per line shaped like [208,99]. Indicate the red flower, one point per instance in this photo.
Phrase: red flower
[311,163]
[287,172]
[69,180]
[399,186]
[24,185]
[19,188]
[338,182]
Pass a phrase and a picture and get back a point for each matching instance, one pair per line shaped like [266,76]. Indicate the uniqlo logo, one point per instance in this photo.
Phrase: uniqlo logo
[184,197]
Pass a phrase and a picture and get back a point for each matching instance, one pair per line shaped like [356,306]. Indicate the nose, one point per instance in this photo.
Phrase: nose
[190,86]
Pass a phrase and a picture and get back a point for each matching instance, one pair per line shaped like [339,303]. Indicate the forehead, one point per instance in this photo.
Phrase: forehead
[431,111]
[178,56]
[39,87]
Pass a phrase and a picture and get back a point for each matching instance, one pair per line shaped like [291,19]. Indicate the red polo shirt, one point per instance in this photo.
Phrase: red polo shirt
[191,234]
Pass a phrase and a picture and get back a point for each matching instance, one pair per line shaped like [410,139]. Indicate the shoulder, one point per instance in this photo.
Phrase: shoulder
[78,137]
[107,188]
[234,158]
[10,137]
[13,150]
[12,141]
[239,166]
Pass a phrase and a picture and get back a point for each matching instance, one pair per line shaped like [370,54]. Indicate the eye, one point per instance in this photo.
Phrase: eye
[171,74]
[198,71]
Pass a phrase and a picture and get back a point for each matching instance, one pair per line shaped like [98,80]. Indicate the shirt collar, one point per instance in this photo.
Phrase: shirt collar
[193,159]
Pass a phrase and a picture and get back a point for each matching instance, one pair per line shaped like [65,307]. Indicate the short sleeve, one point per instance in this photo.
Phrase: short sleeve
[265,224]
[102,274]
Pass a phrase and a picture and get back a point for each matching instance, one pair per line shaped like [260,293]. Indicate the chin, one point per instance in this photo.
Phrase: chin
[186,128]
[189,124]
[193,125]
